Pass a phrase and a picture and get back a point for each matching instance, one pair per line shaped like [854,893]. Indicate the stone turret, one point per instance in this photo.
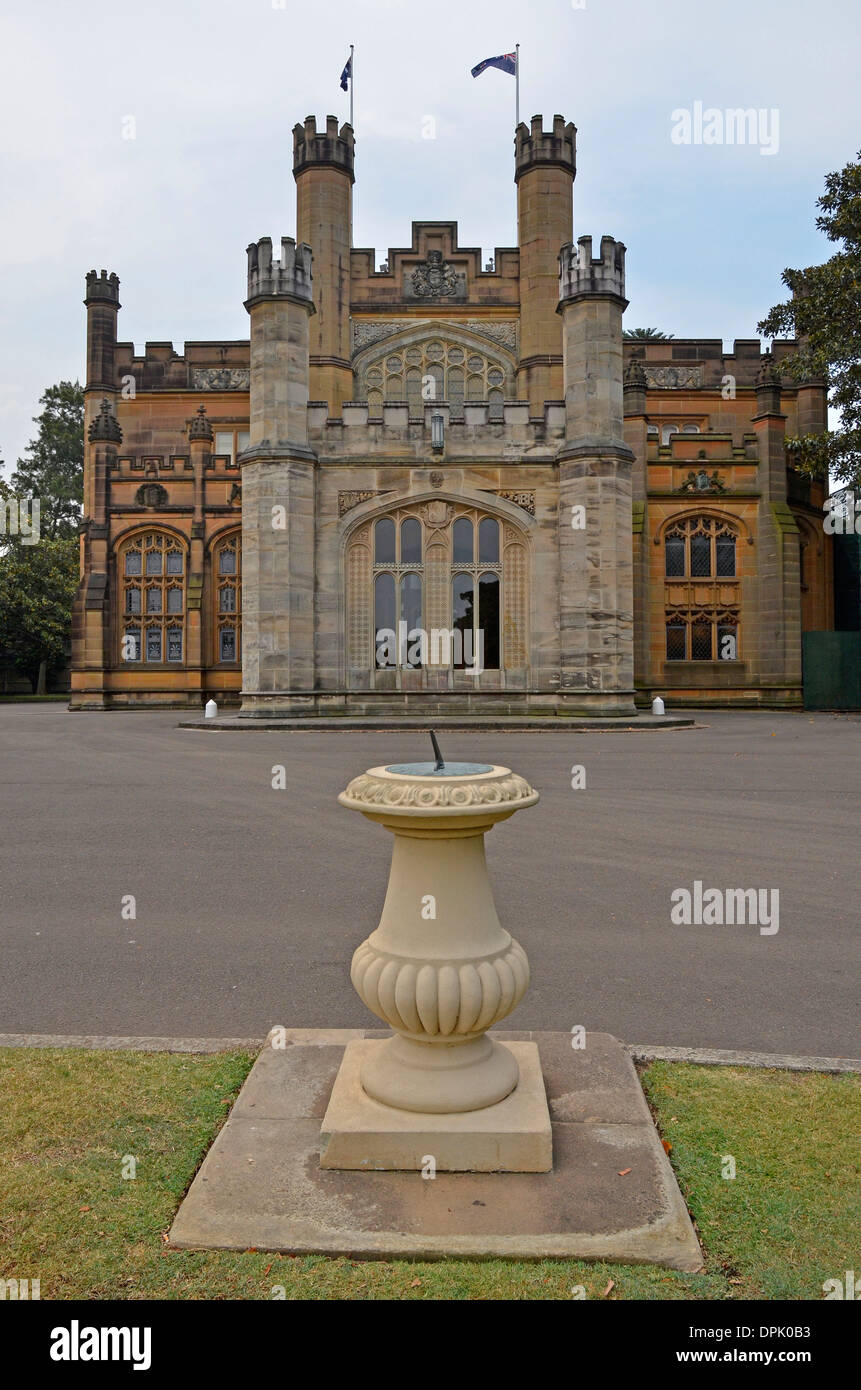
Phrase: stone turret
[323,170]
[545,165]
[595,488]
[278,506]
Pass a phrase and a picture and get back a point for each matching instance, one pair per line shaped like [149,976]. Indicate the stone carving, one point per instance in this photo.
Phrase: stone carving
[436,513]
[151,495]
[673,378]
[436,279]
[368,790]
[348,500]
[500,331]
[702,481]
[524,500]
[105,426]
[198,427]
[221,378]
[437,479]
[439,999]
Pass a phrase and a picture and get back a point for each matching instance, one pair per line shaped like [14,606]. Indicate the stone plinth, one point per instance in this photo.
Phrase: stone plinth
[440,970]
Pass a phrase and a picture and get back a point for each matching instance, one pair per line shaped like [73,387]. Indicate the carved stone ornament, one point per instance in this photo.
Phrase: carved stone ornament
[524,500]
[105,427]
[435,278]
[151,495]
[674,378]
[348,500]
[701,481]
[403,796]
[221,378]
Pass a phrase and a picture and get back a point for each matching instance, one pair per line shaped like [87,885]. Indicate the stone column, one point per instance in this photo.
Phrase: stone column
[778,575]
[545,167]
[91,610]
[200,437]
[595,490]
[636,438]
[278,487]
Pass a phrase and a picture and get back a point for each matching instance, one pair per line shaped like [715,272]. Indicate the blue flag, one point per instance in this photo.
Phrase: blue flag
[507,62]
[346,74]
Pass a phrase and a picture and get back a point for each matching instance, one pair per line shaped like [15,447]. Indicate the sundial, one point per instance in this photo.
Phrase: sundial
[439,768]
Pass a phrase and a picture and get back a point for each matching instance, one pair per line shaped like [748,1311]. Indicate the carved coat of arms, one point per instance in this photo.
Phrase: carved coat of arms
[434,278]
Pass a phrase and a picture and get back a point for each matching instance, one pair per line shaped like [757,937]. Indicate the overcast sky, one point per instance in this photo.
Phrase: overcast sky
[214,88]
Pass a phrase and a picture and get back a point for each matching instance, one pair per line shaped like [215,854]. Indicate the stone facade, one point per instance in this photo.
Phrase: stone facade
[469,457]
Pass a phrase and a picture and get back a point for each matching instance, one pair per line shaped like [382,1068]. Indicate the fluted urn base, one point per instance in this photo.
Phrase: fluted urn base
[440,1078]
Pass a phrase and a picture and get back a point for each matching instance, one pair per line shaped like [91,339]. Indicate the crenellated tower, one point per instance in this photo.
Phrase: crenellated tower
[545,165]
[323,170]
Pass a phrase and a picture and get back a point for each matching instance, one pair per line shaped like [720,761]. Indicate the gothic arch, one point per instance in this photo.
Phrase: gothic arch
[465,365]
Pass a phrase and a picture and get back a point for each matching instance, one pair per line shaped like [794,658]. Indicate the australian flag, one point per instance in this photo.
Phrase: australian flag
[506,61]
[346,75]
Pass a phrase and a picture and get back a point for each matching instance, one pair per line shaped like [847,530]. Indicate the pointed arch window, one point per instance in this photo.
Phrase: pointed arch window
[152,577]
[227,599]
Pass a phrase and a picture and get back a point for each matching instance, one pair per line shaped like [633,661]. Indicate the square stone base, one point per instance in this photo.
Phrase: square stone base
[513,1136]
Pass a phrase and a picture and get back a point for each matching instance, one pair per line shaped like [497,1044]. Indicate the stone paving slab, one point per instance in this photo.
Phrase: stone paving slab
[235,723]
[612,1193]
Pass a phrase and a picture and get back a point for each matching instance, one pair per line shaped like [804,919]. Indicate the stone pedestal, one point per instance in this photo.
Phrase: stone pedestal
[440,970]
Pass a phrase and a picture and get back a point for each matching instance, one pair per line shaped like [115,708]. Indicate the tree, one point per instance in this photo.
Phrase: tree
[37,586]
[39,561]
[53,467]
[824,315]
[653,334]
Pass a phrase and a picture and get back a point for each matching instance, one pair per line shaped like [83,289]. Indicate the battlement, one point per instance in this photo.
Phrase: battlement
[103,288]
[533,145]
[290,277]
[333,147]
[581,274]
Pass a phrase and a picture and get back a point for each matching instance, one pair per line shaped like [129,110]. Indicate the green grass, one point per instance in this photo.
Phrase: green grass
[68,1217]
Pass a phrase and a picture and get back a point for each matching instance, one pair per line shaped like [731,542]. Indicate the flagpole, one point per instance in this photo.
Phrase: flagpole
[352,79]
[517,84]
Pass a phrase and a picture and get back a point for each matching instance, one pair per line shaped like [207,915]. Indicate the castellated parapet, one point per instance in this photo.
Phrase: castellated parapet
[581,274]
[289,278]
[534,145]
[104,287]
[334,147]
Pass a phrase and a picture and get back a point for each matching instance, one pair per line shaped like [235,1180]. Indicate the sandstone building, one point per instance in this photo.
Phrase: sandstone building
[443,447]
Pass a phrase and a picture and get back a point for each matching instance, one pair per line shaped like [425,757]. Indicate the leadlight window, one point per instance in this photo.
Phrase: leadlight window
[700,547]
[702,635]
[227,590]
[435,370]
[152,579]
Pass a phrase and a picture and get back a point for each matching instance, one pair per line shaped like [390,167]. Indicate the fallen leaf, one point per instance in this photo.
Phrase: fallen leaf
[667,1146]
[416,1284]
[266,1270]
[85,1209]
[623,1172]
[610,1286]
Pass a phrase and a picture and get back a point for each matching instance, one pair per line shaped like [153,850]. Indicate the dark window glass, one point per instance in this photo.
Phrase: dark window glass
[463,616]
[174,599]
[153,562]
[173,562]
[132,644]
[701,557]
[675,641]
[384,618]
[725,557]
[674,549]
[227,562]
[462,546]
[701,642]
[133,562]
[228,644]
[411,612]
[488,620]
[384,542]
[153,644]
[227,599]
[133,600]
[488,541]
[411,542]
[153,600]
[174,644]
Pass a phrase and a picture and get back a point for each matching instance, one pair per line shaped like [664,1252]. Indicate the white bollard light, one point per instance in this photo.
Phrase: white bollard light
[657,705]
[211,709]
